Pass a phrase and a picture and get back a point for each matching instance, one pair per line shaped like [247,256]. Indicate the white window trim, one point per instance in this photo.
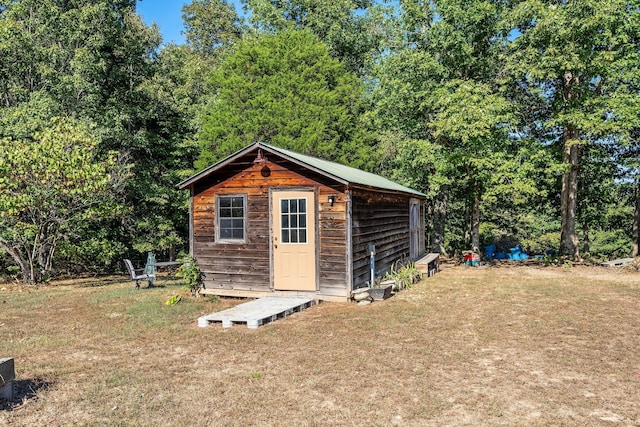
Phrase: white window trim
[244,219]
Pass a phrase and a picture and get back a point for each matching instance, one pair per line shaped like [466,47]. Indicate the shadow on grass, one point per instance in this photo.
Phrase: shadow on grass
[100,281]
[95,282]
[23,391]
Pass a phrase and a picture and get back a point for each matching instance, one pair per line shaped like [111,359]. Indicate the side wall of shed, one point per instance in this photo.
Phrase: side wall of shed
[380,219]
[246,266]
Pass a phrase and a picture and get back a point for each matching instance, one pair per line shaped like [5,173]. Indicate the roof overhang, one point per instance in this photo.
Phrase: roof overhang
[338,173]
[247,150]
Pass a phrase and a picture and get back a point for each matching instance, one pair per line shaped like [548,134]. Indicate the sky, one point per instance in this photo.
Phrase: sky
[167,15]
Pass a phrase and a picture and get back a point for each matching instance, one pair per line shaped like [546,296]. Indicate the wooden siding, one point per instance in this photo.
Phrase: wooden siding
[381,219]
[246,266]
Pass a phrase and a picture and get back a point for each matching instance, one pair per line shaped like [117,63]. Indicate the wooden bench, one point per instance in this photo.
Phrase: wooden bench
[429,263]
[136,277]
[617,262]
[7,375]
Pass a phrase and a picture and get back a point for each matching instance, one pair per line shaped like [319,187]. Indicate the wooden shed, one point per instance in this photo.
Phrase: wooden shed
[269,221]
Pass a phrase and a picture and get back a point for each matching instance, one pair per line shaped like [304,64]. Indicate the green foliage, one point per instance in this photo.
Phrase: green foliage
[404,274]
[352,29]
[49,186]
[493,85]
[580,59]
[97,61]
[190,272]
[210,25]
[442,85]
[286,90]
[213,298]
[472,102]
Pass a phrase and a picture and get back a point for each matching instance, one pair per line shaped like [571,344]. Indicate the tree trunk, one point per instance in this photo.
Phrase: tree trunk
[18,259]
[475,224]
[439,219]
[571,151]
[472,220]
[586,241]
[635,245]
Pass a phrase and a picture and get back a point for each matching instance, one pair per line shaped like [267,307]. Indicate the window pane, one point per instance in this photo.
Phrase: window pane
[302,236]
[285,236]
[294,236]
[302,220]
[293,205]
[303,205]
[285,221]
[294,221]
[284,206]
[231,217]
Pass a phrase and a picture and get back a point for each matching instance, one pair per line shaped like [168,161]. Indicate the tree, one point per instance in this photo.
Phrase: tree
[582,57]
[348,27]
[628,161]
[635,243]
[210,25]
[284,89]
[48,187]
[441,83]
[97,61]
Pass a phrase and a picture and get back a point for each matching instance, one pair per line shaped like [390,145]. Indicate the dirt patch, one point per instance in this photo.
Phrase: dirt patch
[469,346]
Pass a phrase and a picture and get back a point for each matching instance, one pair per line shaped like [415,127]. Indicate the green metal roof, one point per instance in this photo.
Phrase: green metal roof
[336,171]
[345,173]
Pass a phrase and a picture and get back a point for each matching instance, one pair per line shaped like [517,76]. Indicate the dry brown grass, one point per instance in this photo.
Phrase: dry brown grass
[469,346]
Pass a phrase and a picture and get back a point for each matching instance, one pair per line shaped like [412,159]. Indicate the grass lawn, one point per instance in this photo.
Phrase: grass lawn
[469,346]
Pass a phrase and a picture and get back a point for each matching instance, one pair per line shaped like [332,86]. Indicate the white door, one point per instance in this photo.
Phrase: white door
[293,240]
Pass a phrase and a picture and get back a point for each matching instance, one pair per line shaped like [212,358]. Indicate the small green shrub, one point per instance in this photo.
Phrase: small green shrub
[405,275]
[191,274]
[567,264]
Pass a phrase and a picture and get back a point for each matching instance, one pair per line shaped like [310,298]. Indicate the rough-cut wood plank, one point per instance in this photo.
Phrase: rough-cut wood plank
[244,281]
[429,263]
[381,220]
[248,249]
[332,279]
[333,234]
[333,295]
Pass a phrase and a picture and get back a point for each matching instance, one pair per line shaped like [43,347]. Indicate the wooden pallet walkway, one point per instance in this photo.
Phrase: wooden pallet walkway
[257,312]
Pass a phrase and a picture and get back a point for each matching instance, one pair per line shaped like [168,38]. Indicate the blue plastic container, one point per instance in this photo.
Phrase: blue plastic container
[490,251]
